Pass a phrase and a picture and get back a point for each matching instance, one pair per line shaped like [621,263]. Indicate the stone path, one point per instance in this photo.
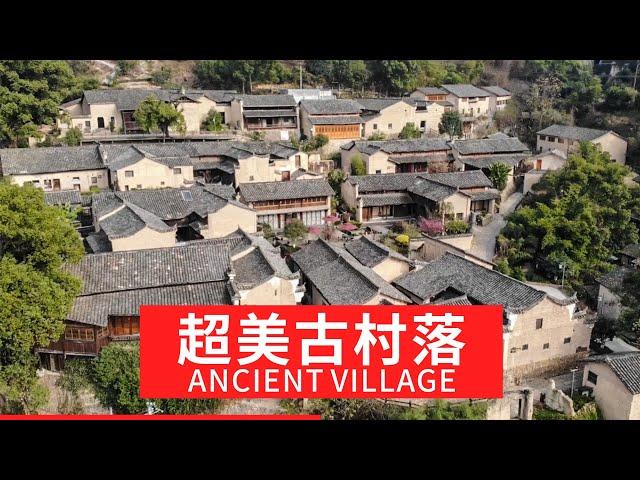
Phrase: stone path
[484,238]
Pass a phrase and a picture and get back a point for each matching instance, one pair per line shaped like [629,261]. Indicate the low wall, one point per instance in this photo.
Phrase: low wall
[461,241]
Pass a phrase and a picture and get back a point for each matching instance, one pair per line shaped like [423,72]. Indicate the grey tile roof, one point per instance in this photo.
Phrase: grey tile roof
[625,365]
[390,182]
[63,197]
[168,203]
[632,250]
[199,261]
[403,159]
[490,194]
[136,153]
[497,91]
[489,145]
[331,107]
[98,242]
[432,91]
[487,160]
[574,133]
[380,199]
[480,284]
[255,192]
[377,104]
[336,120]
[339,277]
[614,280]
[370,253]
[224,191]
[129,99]
[465,90]
[419,145]
[252,269]
[96,309]
[300,172]
[461,300]
[261,262]
[129,220]
[257,101]
[432,190]
[466,179]
[269,113]
[17,161]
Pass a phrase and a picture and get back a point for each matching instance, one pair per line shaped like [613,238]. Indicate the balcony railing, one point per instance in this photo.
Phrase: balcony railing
[289,206]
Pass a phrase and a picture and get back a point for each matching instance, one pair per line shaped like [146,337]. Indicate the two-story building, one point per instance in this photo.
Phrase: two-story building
[110,111]
[337,119]
[567,139]
[447,196]
[276,116]
[236,270]
[277,203]
[498,99]
[542,332]
[399,156]
[141,219]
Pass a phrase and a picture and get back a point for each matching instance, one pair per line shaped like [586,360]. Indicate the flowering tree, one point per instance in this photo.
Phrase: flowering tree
[431,226]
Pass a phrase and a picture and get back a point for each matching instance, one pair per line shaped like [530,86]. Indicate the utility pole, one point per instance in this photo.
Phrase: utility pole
[300,74]
[573,375]
[635,75]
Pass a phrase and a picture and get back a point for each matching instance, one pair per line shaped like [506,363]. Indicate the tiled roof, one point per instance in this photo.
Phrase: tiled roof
[339,277]
[134,154]
[497,91]
[461,300]
[419,145]
[480,284]
[465,90]
[336,120]
[257,101]
[390,182]
[489,145]
[574,133]
[331,107]
[195,262]
[381,199]
[625,365]
[466,179]
[490,194]
[129,99]
[377,104]
[370,253]
[98,242]
[488,160]
[632,250]
[258,265]
[63,197]
[301,172]
[614,280]
[432,190]
[255,192]
[24,161]
[403,159]
[96,309]
[432,91]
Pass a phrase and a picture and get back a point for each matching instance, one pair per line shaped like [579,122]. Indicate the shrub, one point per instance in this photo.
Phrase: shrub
[358,166]
[402,240]
[410,131]
[213,122]
[257,136]
[73,137]
[267,231]
[376,136]
[315,143]
[431,226]
[161,77]
[455,227]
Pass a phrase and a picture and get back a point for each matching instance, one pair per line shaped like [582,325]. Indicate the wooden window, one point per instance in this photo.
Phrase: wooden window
[100,122]
[177,171]
[390,126]
[375,126]
[94,180]
[525,346]
[539,323]
[128,173]
[47,184]
[561,140]
[78,333]
[513,350]
[545,346]
[592,377]
[567,340]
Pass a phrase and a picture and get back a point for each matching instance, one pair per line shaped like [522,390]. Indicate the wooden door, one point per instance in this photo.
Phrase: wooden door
[56,184]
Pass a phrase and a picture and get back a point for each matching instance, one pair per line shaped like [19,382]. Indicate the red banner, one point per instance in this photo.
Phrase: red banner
[380,351]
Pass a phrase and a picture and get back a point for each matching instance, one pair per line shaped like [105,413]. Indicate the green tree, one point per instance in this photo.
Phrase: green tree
[73,137]
[579,216]
[358,166]
[442,410]
[161,76]
[314,143]
[31,92]
[620,98]
[410,131]
[395,77]
[499,175]
[295,230]
[335,178]
[36,293]
[239,74]
[125,67]
[451,124]
[376,136]
[154,114]
[213,122]
[630,295]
